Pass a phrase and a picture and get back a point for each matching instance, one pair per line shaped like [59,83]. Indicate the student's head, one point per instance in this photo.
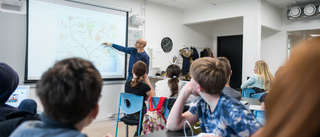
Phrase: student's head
[211,74]
[139,69]
[173,71]
[70,90]
[9,81]
[262,70]
[294,99]
[227,62]
[141,43]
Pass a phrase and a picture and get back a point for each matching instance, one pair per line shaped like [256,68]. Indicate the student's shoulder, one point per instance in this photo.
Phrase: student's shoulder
[230,102]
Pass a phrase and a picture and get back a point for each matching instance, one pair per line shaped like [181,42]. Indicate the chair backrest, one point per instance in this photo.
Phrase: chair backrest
[130,103]
[260,116]
[247,92]
[155,101]
[257,95]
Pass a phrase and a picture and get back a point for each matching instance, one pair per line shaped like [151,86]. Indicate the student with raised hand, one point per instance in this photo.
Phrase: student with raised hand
[69,92]
[171,85]
[294,98]
[227,89]
[139,85]
[217,113]
[136,54]
[262,78]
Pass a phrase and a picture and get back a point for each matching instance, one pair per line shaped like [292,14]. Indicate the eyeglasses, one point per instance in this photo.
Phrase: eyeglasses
[139,42]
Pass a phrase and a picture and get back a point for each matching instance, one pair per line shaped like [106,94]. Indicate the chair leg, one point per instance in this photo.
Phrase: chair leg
[127,130]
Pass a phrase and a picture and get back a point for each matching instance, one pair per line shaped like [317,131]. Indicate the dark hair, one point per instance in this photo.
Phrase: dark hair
[210,74]
[139,68]
[173,72]
[69,90]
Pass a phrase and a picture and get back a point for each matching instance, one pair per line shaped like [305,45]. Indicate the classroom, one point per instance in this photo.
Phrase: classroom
[263,25]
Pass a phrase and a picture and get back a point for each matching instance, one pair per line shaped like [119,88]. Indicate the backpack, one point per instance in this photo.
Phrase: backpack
[153,120]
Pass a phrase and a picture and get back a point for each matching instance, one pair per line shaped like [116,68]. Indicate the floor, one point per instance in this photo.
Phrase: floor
[101,128]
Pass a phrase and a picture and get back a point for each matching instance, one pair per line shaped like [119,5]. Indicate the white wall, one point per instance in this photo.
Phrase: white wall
[250,11]
[162,21]
[270,16]
[274,42]
[226,27]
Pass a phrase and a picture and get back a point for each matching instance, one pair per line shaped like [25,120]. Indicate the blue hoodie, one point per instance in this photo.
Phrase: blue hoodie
[9,81]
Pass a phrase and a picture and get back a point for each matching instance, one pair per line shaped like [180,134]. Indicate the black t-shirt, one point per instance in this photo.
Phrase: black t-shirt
[141,90]
[263,98]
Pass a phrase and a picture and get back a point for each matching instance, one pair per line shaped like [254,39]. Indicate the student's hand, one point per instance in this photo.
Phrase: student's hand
[106,44]
[145,78]
[188,90]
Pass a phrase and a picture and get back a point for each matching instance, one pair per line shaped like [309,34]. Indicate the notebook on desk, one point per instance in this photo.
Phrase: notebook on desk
[21,93]
[255,107]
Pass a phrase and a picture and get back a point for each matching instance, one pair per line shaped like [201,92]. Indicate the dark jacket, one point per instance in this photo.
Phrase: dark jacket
[9,81]
[14,119]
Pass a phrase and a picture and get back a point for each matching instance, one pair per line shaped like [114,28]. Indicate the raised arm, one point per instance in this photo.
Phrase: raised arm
[151,92]
[118,47]
[176,118]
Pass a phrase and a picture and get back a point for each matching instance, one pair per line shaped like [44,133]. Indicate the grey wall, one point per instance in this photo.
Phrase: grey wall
[13,41]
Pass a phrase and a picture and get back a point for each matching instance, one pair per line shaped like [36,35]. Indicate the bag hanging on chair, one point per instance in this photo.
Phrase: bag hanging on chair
[153,120]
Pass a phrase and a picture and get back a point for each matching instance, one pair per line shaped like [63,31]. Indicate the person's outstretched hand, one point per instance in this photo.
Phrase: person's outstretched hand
[106,44]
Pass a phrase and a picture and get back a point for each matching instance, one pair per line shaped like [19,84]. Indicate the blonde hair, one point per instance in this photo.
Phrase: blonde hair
[294,99]
[264,74]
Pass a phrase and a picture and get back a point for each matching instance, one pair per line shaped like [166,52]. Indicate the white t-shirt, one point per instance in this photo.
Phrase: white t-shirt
[162,88]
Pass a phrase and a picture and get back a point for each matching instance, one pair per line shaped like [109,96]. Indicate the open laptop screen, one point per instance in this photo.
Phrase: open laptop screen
[21,93]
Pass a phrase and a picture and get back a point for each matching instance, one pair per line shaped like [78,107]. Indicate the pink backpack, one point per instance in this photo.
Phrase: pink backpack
[153,120]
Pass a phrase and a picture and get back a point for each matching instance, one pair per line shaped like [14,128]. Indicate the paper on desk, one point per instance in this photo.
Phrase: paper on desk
[207,135]
[255,107]
[244,102]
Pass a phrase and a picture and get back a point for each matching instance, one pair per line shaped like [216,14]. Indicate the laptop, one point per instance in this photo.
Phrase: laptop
[21,93]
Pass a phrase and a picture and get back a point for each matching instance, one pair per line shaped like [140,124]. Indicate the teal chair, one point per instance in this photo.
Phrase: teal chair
[260,116]
[247,92]
[129,104]
[257,95]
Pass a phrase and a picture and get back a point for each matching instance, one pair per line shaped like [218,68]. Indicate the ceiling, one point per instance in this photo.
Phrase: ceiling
[192,4]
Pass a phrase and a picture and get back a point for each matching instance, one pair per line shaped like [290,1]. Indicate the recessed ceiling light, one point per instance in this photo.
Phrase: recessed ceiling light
[295,11]
[309,10]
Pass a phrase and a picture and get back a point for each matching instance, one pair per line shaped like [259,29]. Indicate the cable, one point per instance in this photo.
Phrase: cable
[184,128]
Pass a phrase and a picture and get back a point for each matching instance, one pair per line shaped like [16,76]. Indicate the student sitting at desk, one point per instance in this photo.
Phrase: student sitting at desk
[11,117]
[227,89]
[137,87]
[261,80]
[217,113]
[69,92]
[171,85]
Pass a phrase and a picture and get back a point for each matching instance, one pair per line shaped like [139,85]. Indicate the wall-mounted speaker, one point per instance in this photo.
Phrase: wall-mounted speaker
[303,11]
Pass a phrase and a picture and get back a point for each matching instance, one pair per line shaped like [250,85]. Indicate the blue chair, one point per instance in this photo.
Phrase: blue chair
[247,92]
[155,101]
[257,95]
[129,104]
[260,116]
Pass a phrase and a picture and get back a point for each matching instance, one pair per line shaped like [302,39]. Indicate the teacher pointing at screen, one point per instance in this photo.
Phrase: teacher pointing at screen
[136,54]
